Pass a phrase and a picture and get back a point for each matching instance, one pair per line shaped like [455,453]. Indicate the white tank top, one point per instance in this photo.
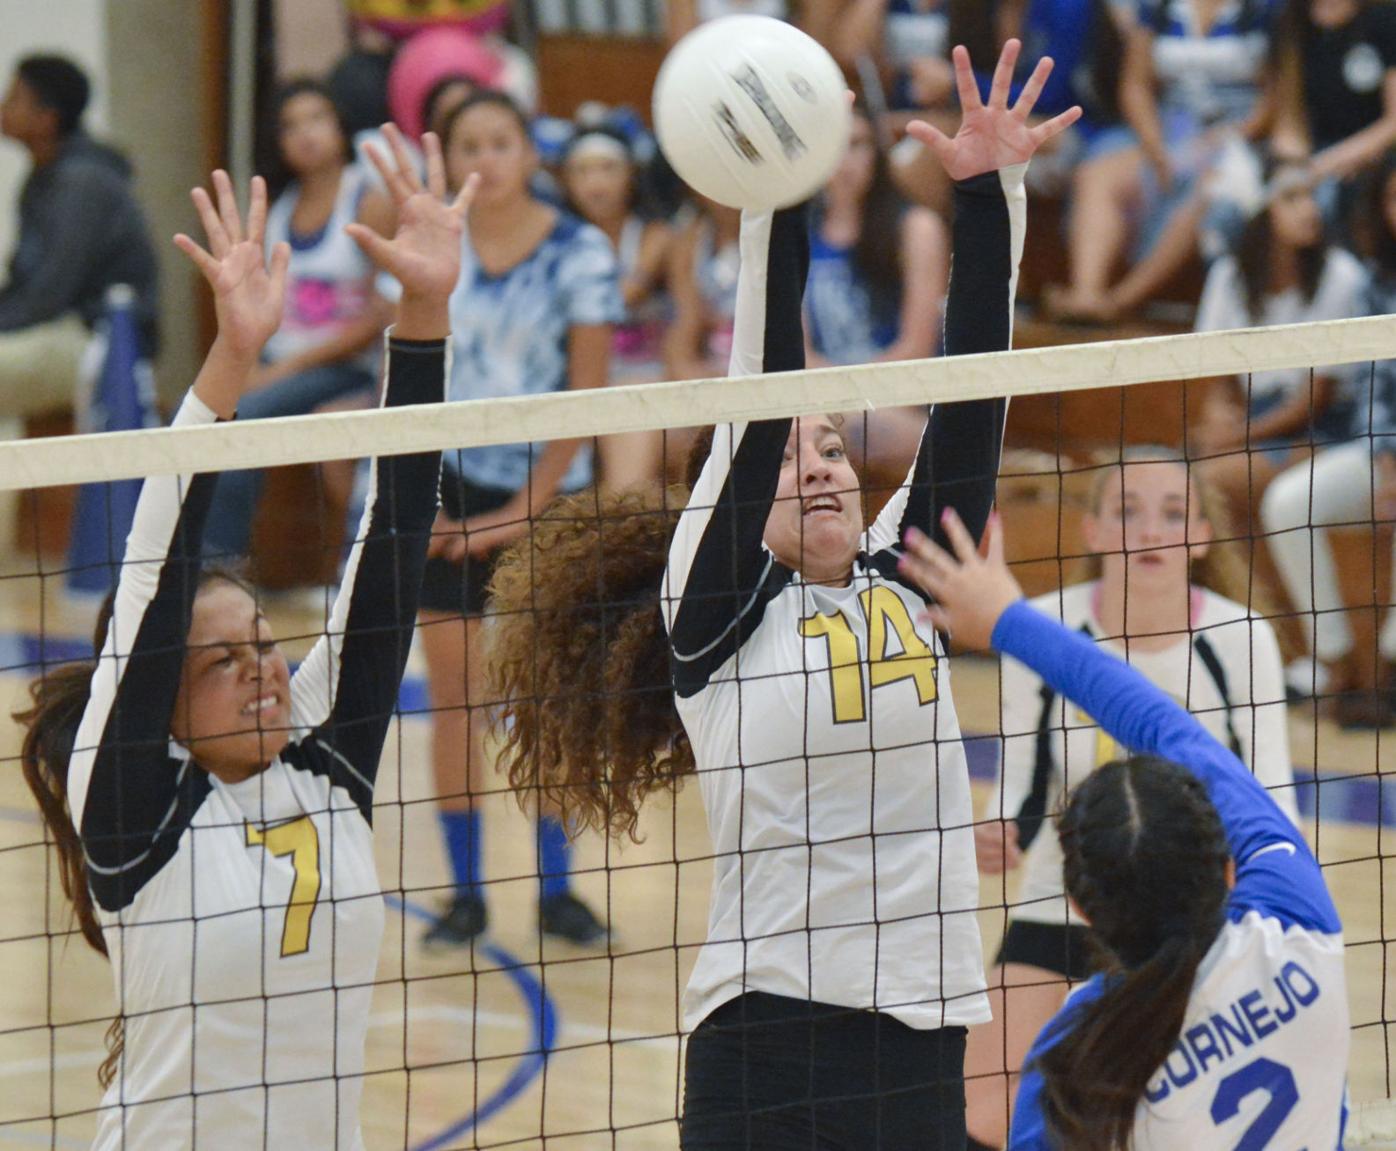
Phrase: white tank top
[330,282]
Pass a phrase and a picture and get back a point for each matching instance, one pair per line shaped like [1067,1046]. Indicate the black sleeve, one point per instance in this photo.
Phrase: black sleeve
[352,676]
[720,576]
[131,800]
[957,463]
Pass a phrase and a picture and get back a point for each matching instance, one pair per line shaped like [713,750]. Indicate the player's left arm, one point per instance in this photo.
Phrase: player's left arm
[346,690]
[957,464]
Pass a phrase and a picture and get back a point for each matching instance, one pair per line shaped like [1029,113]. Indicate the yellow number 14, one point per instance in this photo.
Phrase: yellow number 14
[887,616]
[301,842]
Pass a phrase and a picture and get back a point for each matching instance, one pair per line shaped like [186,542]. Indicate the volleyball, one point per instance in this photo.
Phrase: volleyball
[751,112]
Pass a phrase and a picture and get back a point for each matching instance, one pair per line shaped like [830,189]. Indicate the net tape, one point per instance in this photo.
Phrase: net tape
[690,403]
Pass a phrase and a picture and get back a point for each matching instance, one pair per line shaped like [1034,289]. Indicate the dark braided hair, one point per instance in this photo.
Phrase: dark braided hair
[1146,862]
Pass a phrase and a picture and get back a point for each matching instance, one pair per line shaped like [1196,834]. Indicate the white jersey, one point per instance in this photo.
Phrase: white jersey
[1226,670]
[243,920]
[821,719]
[330,282]
[1261,1058]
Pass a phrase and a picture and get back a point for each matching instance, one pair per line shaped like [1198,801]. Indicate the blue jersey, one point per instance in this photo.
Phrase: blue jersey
[846,325]
[1064,30]
[1214,75]
[509,337]
[1262,1056]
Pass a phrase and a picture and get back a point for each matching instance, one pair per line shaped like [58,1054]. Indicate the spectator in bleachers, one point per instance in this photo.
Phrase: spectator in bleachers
[80,231]
[907,41]
[1341,484]
[1167,589]
[533,313]
[877,280]
[327,346]
[1083,37]
[1336,93]
[685,15]
[599,177]
[1283,272]
[703,282]
[1194,76]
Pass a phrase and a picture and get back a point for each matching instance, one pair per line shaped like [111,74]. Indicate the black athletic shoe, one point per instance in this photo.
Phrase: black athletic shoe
[567,917]
[459,924]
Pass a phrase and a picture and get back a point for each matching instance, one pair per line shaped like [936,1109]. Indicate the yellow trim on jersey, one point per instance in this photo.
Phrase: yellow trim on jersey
[301,841]
[886,616]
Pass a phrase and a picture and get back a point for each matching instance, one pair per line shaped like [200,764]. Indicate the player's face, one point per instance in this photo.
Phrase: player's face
[817,516]
[310,135]
[1149,526]
[489,140]
[854,175]
[234,705]
[1296,219]
[599,186]
[22,117]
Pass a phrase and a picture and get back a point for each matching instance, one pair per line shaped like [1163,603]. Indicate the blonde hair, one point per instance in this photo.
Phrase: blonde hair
[1226,568]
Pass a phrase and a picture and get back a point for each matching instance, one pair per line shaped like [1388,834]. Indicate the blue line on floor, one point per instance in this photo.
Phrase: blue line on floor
[543,1025]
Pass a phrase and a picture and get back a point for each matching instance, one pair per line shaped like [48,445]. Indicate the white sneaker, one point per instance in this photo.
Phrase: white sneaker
[1306,677]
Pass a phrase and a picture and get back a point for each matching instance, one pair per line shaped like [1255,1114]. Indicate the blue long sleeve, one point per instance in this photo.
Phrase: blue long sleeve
[1277,874]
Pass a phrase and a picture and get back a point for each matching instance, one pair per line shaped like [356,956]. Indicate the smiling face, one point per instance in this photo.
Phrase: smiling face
[1149,526]
[234,705]
[817,517]
[489,139]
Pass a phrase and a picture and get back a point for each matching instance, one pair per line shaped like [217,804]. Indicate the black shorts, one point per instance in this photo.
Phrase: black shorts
[1060,947]
[767,1073]
[462,587]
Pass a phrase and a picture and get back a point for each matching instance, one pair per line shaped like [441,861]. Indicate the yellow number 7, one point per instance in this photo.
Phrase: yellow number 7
[301,842]
[886,614]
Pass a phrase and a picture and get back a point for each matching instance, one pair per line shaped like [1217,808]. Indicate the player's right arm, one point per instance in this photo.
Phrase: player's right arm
[718,566]
[978,600]
[129,799]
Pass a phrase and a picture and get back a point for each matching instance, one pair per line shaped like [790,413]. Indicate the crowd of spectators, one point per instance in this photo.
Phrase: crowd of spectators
[1247,140]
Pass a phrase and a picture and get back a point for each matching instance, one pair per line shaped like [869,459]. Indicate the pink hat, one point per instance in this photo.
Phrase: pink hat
[430,57]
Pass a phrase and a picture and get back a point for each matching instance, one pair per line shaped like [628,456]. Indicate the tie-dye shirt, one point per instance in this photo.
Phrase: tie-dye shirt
[509,337]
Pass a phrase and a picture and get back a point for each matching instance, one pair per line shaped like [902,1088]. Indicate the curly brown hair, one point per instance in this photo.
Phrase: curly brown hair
[581,660]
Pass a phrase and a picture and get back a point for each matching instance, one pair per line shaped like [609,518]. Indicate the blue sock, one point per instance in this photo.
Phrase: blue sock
[461,830]
[554,857]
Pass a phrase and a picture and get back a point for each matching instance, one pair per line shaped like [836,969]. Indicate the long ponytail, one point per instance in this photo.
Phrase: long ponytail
[1145,860]
[57,700]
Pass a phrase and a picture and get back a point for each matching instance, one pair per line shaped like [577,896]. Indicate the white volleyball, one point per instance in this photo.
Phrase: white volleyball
[751,112]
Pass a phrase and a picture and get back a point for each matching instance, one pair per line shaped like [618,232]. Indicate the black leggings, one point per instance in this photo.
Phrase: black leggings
[767,1073]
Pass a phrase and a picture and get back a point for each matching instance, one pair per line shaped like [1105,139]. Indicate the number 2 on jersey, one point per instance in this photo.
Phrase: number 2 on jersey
[301,842]
[1276,1081]
[886,613]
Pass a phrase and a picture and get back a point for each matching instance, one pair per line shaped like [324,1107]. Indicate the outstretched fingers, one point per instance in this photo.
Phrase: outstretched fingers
[964,79]
[966,550]
[1003,74]
[436,165]
[1057,124]
[466,196]
[1032,90]
[257,212]
[202,260]
[406,168]
[218,240]
[227,206]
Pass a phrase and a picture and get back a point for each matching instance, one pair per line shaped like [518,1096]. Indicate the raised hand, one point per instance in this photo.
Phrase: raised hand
[993,135]
[248,294]
[969,591]
[424,254]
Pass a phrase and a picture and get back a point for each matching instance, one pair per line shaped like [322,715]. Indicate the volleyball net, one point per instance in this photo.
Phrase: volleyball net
[516,1037]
